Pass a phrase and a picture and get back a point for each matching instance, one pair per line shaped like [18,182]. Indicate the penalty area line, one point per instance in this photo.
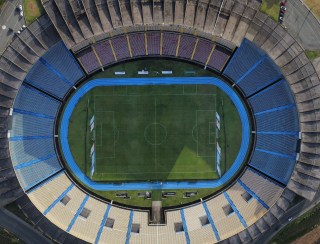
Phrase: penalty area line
[192,172]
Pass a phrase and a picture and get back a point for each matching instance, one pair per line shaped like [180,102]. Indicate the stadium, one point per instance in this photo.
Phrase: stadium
[157,121]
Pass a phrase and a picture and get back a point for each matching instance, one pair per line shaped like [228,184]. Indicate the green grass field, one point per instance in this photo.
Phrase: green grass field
[314,5]
[33,9]
[154,132]
[271,8]
[312,54]
[2,3]
[229,137]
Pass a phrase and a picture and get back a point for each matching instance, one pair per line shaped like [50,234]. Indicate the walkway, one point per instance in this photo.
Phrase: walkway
[294,212]
[9,16]
[21,229]
[302,24]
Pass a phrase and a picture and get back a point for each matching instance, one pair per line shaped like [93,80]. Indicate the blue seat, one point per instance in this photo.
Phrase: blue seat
[251,68]
[32,174]
[62,60]
[29,125]
[244,58]
[259,77]
[280,143]
[34,101]
[277,167]
[45,79]
[284,119]
[276,95]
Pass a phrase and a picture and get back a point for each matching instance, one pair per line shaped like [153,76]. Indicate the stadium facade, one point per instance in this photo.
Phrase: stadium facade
[74,39]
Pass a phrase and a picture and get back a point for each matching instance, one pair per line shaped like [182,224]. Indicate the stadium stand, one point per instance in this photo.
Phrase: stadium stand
[153,43]
[23,125]
[117,48]
[93,220]
[199,226]
[218,59]
[44,31]
[34,164]
[170,42]
[137,44]
[278,95]
[201,53]
[69,68]
[227,223]
[31,174]
[90,8]
[66,12]
[42,76]
[279,116]
[265,73]
[59,191]
[115,14]
[42,223]
[147,11]
[144,231]
[223,18]
[54,69]
[120,46]
[103,15]
[233,21]
[238,66]
[40,33]
[276,144]
[267,190]
[104,53]
[252,204]
[186,47]
[29,148]
[88,60]
[251,210]
[27,101]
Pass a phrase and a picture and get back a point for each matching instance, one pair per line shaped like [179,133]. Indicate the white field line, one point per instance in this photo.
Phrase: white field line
[163,172]
[135,95]
[200,156]
[114,134]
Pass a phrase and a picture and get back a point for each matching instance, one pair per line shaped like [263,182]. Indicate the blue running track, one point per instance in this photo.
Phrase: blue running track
[102,186]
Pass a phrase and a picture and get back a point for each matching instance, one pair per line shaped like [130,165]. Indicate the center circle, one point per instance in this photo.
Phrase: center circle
[155,134]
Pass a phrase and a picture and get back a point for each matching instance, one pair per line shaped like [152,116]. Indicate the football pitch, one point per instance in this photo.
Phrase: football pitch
[163,132]
[150,115]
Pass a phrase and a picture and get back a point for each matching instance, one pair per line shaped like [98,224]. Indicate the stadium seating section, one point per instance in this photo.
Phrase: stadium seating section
[34,157]
[53,68]
[153,44]
[75,212]
[277,124]
[36,164]
[51,57]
